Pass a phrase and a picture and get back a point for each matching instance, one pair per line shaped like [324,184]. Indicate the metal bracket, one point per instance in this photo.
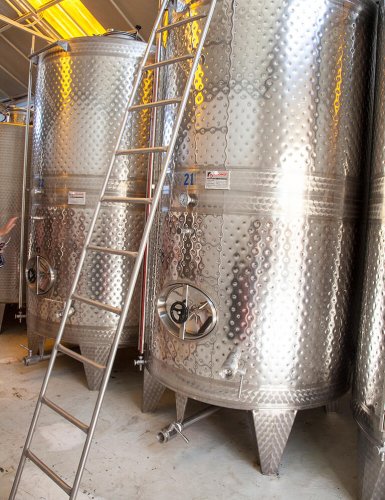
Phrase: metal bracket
[63,44]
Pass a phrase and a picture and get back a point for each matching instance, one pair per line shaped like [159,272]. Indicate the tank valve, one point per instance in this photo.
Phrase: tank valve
[140,362]
[188,200]
[20,315]
[33,359]
[179,312]
[231,365]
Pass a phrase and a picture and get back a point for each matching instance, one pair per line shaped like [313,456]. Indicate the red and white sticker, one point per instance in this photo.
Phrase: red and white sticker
[217,179]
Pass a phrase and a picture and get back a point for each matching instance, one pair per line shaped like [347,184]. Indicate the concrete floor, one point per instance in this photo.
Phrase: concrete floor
[126,462]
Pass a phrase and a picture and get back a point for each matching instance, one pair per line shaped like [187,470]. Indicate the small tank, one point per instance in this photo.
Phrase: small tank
[254,262]
[81,96]
[369,380]
[12,137]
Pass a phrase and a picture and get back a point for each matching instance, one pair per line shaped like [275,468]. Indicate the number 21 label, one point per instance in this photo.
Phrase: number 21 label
[189,179]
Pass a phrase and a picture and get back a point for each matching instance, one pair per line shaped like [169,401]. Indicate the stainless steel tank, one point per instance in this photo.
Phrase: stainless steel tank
[369,380]
[80,101]
[253,264]
[12,135]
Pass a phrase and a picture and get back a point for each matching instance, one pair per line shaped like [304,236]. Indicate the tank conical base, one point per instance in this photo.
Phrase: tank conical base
[98,353]
[36,343]
[333,406]
[371,469]
[181,405]
[272,430]
[152,392]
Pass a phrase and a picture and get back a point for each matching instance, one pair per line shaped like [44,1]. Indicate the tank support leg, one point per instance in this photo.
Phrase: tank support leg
[272,430]
[371,469]
[2,310]
[98,353]
[333,407]
[36,343]
[181,404]
[152,392]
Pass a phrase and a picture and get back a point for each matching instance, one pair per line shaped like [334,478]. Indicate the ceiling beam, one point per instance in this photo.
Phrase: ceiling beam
[24,28]
[7,96]
[14,47]
[46,26]
[29,14]
[13,76]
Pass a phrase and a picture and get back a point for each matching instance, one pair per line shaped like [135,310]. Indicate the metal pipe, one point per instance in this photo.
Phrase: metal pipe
[24,28]
[112,2]
[177,428]
[25,169]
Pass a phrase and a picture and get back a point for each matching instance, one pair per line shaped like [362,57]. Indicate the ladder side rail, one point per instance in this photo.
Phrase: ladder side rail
[63,322]
[141,251]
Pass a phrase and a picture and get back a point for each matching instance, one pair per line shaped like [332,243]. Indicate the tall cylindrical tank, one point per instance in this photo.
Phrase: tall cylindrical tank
[369,380]
[12,137]
[253,264]
[81,96]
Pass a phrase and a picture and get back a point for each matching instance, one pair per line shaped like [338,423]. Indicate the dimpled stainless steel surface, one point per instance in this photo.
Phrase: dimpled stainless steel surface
[281,102]
[369,380]
[80,102]
[11,192]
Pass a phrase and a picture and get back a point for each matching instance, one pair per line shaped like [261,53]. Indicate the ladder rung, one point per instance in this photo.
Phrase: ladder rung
[125,199]
[167,62]
[49,472]
[79,357]
[181,23]
[156,104]
[83,427]
[96,303]
[112,251]
[138,151]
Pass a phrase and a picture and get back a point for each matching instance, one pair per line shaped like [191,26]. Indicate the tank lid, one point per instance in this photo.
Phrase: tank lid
[132,35]
[14,114]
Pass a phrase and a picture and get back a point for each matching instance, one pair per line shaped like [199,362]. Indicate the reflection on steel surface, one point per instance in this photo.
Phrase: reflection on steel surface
[272,151]
[369,381]
[80,102]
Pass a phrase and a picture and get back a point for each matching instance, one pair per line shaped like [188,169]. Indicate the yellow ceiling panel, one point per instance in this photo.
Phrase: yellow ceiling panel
[70,18]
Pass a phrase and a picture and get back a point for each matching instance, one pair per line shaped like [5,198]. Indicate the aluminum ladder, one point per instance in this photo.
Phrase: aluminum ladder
[152,203]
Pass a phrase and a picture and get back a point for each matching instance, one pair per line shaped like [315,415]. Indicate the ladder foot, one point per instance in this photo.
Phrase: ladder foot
[98,353]
[152,392]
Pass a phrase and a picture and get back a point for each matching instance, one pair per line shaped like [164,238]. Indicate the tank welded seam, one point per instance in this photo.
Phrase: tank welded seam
[231,56]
